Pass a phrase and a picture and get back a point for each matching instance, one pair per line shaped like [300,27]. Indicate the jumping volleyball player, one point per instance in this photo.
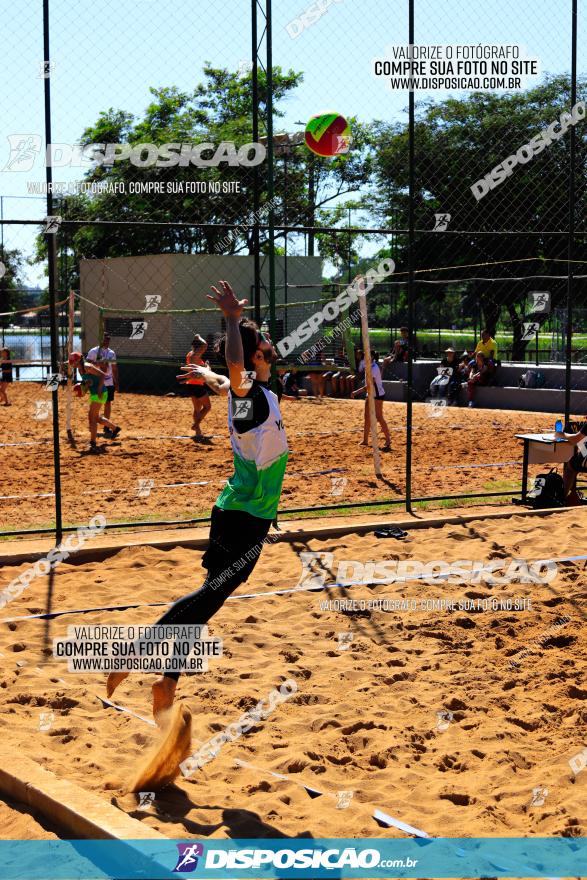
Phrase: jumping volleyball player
[247,505]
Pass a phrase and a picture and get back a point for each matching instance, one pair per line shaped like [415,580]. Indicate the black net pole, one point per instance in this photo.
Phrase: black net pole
[572,195]
[270,179]
[51,240]
[409,405]
[256,176]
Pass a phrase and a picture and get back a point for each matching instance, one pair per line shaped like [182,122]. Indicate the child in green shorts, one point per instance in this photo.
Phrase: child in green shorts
[92,381]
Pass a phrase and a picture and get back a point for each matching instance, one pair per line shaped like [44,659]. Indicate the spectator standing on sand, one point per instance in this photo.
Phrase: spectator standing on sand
[107,356]
[5,375]
[196,384]
[379,398]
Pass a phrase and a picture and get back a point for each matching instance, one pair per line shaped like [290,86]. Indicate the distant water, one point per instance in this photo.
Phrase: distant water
[31,347]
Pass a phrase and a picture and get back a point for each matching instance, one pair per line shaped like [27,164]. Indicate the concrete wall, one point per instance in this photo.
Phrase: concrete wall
[508,375]
[546,400]
[182,281]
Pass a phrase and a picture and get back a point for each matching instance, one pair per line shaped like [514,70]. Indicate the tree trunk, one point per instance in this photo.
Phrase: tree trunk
[491,312]
[519,345]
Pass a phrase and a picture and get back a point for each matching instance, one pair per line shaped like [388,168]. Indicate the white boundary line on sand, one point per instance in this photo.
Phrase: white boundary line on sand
[377,814]
[314,589]
[134,489]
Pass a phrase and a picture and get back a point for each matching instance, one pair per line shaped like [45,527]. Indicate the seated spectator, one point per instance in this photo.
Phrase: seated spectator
[488,347]
[317,381]
[467,360]
[479,374]
[464,367]
[291,387]
[447,382]
[341,387]
[400,348]
[576,464]
[359,376]
[329,383]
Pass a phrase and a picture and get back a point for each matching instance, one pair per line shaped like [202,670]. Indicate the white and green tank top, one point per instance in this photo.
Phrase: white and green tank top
[260,452]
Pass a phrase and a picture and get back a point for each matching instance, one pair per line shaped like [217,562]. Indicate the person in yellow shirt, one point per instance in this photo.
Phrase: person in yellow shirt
[487,346]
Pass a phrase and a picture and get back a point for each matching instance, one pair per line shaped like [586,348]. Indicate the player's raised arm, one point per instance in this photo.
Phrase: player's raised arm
[219,384]
[232,309]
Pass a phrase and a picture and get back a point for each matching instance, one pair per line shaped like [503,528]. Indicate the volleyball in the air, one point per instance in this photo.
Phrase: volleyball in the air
[328,134]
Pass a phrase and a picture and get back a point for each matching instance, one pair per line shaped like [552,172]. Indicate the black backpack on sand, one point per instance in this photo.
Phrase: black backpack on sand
[548,490]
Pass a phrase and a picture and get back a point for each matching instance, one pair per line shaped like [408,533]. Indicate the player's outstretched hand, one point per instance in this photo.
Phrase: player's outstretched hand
[193,371]
[226,300]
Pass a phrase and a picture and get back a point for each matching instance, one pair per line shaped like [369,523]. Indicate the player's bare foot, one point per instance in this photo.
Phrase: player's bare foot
[113,680]
[163,694]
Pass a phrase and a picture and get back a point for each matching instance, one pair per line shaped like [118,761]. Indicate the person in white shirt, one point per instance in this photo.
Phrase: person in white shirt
[105,354]
[379,398]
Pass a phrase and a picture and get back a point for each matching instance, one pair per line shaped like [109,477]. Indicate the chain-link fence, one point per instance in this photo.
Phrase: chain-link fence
[438,151]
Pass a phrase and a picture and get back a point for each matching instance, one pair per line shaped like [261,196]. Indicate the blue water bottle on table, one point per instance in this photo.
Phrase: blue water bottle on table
[558,426]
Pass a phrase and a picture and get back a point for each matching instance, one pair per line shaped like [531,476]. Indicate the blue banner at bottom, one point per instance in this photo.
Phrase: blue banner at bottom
[293,858]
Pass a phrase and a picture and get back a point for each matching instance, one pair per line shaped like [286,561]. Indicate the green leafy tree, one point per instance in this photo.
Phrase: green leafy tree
[11,282]
[457,142]
[218,110]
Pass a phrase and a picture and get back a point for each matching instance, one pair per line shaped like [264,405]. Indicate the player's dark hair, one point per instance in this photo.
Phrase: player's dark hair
[250,339]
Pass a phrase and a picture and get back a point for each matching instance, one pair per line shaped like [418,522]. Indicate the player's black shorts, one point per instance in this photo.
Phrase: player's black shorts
[198,390]
[578,462]
[110,390]
[235,537]
[236,541]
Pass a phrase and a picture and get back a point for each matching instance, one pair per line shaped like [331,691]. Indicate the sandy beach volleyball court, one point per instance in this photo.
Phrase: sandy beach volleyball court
[421,714]
[460,451]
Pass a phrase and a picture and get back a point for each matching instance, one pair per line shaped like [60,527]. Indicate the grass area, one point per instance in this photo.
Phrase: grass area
[506,486]
[381,339]
[342,511]
[451,503]
[503,486]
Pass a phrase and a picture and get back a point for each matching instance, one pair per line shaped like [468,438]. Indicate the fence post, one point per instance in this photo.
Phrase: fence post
[270,180]
[256,176]
[411,336]
[51,240]
[570,249]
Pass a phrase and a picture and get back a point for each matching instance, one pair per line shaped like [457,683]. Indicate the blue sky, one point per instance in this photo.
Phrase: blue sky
[107,54]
